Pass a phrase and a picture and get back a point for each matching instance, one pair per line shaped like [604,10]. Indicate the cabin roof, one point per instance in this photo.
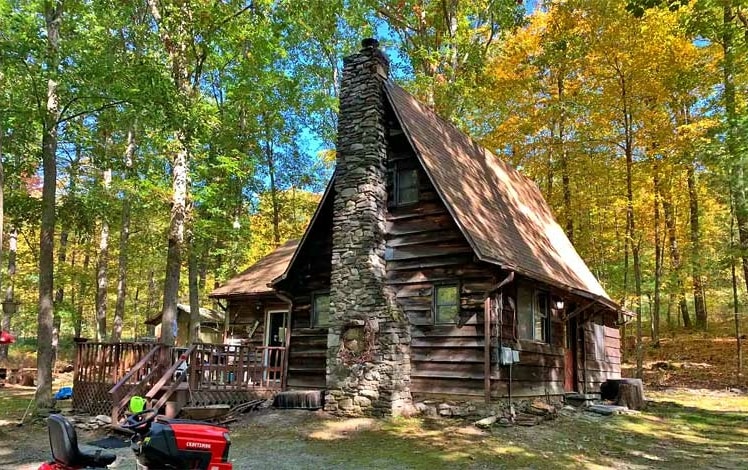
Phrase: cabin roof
[255,279]
[206,315]
[500,211]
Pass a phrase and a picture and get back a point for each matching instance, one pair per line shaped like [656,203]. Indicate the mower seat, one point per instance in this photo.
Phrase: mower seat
[64,443]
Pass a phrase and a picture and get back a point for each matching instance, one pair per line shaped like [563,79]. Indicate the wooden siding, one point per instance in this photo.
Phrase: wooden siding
[602,352]
[245,311]
[310,273]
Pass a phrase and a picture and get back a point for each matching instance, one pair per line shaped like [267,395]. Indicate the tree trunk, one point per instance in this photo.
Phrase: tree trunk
[176,242]
[102,279]
[655,312]
[83,292]
[59,294]
[564,160]
[2,205]
[9,303]
[675,257]
[273,188]
[151,301]
[698,290]
[124,236]
[173,37]
[735,298]
[43,396]
[194,296]
[738,170]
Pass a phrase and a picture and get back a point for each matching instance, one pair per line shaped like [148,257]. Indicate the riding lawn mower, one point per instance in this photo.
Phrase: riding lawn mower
[157,442]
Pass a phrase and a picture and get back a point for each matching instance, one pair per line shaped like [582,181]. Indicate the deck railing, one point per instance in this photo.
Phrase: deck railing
[98,367]
[108,374]
[227,367]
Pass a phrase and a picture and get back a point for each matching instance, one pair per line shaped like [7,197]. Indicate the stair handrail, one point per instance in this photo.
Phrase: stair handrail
[119,404]
[169,372]
[140,364]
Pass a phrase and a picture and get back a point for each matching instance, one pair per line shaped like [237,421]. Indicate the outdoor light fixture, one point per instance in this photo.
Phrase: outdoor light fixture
[558,303]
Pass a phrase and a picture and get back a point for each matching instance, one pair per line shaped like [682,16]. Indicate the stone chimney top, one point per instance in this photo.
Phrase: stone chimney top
[370,48]
[369,43]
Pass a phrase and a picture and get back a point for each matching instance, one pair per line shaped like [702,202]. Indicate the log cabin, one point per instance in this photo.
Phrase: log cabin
[430,269]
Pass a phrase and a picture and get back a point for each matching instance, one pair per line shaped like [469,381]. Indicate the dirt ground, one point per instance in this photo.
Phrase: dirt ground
[681,428]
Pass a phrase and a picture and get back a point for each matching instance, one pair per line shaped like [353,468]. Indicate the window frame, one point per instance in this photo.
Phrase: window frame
[398,168]
[546,317]
[315,313]
[435,303]
[535,293]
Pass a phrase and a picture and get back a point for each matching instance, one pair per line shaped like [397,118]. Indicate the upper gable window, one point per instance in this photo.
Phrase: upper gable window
[406,186]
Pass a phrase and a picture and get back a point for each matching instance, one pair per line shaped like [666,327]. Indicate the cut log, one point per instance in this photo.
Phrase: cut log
[631,395]
[609,388]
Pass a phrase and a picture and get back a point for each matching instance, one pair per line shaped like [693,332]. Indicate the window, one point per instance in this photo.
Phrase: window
[533,319]
[321,309]
[541,317]
[446,304]
[403,185]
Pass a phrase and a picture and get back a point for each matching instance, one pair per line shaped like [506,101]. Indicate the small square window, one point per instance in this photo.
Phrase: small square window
[406,190]
[321,309]
[446,304]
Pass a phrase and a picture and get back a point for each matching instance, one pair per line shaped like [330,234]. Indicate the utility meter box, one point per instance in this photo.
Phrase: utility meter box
[508,356]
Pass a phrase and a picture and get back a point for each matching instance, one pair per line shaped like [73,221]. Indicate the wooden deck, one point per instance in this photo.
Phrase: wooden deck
[107,375]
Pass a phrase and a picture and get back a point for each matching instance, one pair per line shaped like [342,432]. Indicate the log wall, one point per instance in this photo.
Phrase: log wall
[602,351]
[310,274]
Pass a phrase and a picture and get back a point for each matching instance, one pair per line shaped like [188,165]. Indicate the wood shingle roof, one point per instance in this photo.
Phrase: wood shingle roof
[255,279]
[501,212]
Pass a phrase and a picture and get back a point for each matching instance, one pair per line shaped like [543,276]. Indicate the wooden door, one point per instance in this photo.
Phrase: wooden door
[570,356]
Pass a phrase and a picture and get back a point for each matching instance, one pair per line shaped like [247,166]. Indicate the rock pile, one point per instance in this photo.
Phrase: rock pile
[89,423]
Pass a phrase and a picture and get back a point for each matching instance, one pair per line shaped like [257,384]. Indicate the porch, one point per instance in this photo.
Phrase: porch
[107,375]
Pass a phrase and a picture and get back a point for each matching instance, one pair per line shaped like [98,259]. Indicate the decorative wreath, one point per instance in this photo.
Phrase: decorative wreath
[357,344]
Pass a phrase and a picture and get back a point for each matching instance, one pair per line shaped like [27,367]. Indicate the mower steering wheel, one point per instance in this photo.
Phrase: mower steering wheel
[140,419]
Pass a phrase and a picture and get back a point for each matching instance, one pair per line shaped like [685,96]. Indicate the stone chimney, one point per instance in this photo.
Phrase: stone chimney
[368,346]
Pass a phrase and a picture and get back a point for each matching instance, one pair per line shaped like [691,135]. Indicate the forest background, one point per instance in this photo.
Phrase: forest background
[150,150]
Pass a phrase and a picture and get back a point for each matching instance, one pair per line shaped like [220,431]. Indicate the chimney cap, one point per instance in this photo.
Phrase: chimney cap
[370,43]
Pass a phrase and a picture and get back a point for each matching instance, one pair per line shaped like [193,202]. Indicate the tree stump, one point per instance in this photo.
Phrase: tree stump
[631,394]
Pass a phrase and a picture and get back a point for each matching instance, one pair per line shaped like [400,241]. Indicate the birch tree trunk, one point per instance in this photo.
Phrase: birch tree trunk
[102,279]
[43,395]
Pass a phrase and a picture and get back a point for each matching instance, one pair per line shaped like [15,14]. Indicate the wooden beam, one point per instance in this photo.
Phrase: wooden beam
[578,311]
[487,349]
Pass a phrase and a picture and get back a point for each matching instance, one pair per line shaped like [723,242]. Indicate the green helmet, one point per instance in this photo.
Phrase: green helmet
[137,404]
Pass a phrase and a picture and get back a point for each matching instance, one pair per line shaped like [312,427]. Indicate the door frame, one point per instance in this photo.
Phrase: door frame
[266,339]
[571,355]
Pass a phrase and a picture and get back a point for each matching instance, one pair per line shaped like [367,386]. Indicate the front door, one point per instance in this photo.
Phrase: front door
[570,356]
[275,336]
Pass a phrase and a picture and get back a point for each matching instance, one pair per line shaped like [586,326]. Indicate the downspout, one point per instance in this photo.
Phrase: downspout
[287,340]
